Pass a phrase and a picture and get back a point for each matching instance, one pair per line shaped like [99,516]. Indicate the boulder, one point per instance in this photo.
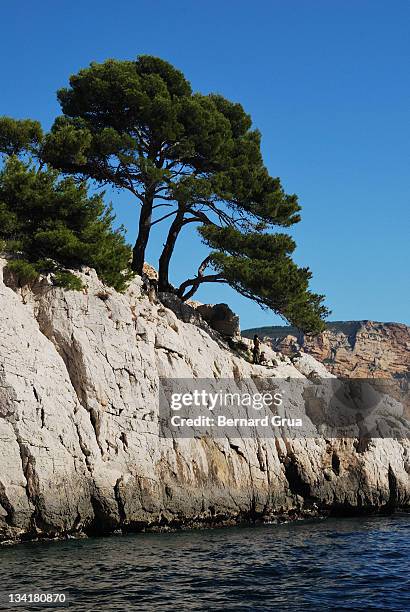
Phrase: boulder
[221,318]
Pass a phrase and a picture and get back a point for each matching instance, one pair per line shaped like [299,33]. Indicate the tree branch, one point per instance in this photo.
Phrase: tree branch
[161,205]
[195,282]
[174,212]
[198,280]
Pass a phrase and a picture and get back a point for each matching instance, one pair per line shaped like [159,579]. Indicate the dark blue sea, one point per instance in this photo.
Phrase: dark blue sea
[334,564]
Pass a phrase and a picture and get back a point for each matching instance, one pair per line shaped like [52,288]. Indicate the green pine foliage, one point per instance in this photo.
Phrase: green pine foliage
[52,225]
[68,280]
[19,135]
[26,272]
[259,266]
[139,126]
[184,158]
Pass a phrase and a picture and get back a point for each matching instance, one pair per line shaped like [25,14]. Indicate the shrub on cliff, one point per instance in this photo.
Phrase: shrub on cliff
[48,224]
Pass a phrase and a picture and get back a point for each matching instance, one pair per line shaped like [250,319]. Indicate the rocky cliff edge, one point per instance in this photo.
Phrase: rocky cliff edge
[79,444]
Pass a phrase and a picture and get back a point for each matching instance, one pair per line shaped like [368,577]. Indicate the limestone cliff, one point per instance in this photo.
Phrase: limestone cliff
[79,444]
[355,349]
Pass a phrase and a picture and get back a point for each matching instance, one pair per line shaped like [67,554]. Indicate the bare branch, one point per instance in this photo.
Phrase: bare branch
[199,279]
[161,205]
[203,265]
[195,282]
[197,216]
[174,212]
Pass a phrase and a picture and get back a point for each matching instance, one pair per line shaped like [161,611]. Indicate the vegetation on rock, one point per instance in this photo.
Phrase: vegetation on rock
[259,266]
[186,158]
[52,225]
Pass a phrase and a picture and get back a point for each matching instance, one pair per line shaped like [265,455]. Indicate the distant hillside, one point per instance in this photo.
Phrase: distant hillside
[348,348]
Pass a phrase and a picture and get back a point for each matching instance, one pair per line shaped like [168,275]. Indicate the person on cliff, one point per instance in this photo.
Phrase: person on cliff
[256,351]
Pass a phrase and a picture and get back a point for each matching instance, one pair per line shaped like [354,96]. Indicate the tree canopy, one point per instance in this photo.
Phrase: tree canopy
[185,158]
[259,267]
[138,126]
[20,136]
[52,225]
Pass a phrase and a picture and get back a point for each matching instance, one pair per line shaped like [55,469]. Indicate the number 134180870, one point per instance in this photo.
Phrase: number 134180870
[45,598]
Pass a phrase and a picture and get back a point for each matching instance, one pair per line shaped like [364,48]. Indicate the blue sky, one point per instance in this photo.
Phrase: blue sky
[326,82]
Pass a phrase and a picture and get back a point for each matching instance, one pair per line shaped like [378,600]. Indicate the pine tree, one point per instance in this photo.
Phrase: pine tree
[53,225]
[186,158]
[138,126]
[259,266]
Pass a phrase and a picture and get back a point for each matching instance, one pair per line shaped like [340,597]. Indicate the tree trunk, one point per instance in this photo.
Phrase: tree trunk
[144,227]
[164,260]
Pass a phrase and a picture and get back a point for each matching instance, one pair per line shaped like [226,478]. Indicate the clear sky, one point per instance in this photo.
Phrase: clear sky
[325,81]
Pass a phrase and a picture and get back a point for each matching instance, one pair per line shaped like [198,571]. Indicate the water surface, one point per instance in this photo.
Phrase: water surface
[336,564]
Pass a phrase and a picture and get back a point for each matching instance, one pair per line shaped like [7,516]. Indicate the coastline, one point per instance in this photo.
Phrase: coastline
[81,446]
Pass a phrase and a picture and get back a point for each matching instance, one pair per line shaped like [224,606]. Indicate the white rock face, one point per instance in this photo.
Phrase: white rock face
[79,437]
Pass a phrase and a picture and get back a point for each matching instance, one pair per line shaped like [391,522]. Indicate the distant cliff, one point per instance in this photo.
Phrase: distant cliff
[354,349]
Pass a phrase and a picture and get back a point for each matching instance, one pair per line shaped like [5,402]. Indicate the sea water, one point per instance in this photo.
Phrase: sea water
[334,564]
